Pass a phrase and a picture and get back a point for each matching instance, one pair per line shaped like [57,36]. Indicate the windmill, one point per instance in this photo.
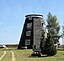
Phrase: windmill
[32,33]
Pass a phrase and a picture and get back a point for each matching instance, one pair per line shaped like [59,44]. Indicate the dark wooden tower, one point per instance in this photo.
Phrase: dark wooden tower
[32,31]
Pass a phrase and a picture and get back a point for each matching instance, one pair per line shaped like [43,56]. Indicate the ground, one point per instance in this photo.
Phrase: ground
[25,55]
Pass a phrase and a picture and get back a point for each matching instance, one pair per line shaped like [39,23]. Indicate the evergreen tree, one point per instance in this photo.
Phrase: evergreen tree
[63,35]
[42,45]
[50,49]
[63,30]
[53,29]
[53,26]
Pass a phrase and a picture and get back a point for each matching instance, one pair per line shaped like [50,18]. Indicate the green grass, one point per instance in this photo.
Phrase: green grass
[25,55]
[22,55]
[7,56]
[1,52]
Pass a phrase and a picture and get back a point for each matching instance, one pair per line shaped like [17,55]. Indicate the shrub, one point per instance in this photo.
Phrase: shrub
[50,49]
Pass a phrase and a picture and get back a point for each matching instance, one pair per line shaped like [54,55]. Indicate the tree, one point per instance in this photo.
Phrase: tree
[53,26]
[47,46]
[63,35]
[50,49]
[42,45]
[63,30]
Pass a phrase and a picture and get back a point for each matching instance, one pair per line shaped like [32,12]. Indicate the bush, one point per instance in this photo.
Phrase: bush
[50,49]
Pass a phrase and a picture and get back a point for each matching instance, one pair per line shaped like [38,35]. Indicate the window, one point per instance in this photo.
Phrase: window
[29,25]
[36,19]
[30,18]
[28,33]
[27,42]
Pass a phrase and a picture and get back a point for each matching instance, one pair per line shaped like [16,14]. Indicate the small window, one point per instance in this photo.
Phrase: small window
[27,42]
[29,25]
[30,18]
[36,19]
[28,33]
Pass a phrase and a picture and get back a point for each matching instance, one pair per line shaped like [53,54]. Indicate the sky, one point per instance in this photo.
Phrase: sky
[12,16]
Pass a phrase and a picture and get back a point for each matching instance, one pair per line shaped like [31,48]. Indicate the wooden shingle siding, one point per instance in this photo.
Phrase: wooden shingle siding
[33,23]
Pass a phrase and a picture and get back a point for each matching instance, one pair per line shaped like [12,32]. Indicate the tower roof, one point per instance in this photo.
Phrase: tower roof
[34,15]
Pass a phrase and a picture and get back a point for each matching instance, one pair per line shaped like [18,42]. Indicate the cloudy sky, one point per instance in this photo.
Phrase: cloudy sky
[12,16]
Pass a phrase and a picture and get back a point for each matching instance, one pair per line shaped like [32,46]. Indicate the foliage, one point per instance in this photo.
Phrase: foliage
[47,44]
[53,26]
[42,45]
[50,49]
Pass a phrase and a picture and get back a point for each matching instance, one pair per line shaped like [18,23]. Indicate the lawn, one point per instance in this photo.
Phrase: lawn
[7,56]
[1,52]
[25,55]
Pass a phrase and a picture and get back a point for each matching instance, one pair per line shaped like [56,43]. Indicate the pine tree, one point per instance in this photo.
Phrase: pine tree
[47,45]
[63,31]
[50,49]
[42,45]
[53,26]
[63,35]
[53,29]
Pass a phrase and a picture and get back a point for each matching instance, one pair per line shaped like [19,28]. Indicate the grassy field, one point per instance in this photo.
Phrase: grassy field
[25,55]
[7,57]
[1,52]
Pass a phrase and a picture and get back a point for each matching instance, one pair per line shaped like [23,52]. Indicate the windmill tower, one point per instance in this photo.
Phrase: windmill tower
[32,32]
